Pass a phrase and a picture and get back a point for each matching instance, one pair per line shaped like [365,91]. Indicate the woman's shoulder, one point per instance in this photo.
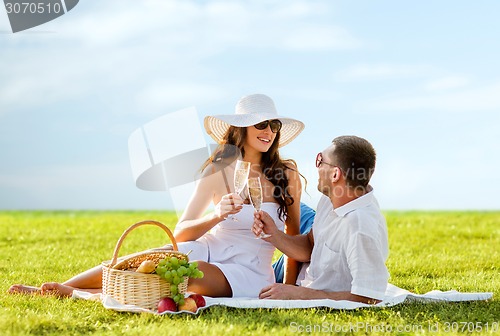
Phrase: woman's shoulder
[291,169]
[290,164]
[293,176]
[215,174]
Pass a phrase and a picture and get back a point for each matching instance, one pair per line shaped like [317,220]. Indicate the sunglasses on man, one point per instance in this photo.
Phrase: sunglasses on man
[319,161]
[275,125]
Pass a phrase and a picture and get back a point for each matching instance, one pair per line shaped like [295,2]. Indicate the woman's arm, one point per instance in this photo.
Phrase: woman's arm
[292,227]
[192,224]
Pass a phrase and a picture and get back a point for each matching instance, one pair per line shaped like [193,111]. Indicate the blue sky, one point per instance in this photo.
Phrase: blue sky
[420,80]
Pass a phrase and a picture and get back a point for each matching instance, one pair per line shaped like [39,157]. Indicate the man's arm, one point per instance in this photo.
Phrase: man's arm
[289,292]
[298,247]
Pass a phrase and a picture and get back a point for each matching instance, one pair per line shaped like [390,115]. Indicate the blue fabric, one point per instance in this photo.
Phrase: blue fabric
[306,220]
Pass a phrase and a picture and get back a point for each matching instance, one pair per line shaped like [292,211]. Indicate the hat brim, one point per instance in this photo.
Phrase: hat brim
[217,126]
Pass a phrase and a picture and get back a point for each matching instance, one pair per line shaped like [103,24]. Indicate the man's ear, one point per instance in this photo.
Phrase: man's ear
[337,173]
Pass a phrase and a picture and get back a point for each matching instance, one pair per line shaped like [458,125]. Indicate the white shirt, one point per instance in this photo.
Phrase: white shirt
[350,248]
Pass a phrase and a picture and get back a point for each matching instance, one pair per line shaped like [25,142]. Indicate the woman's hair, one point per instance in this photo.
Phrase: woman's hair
[272,165]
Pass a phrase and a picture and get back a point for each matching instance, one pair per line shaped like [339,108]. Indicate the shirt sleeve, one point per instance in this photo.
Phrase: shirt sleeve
[367,265]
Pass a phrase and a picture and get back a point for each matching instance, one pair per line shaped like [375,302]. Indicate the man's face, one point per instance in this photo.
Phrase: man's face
[325,170]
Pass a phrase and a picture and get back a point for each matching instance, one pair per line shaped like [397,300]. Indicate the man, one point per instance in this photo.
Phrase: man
[347,246]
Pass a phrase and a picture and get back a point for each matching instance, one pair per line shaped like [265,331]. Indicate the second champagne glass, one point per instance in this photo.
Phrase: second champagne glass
[255,193]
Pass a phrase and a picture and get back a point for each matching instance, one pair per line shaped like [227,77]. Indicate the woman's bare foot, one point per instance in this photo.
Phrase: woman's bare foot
[23,289]
[57,289]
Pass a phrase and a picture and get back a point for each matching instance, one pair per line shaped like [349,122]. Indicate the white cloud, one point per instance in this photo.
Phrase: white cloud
[485,98]
[28,83]
[383,71]
[297,9]
[91,186]
[448,184]
[447,83]
[312,94]
[162,97]
[399,180]
[66,176]
[321,38]
[127,45]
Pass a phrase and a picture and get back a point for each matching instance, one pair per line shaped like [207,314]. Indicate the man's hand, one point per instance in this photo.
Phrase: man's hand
[297,247]
[264,223]
[279,291]
[289,292]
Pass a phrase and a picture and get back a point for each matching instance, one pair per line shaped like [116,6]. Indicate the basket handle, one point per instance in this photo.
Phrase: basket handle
[132,227]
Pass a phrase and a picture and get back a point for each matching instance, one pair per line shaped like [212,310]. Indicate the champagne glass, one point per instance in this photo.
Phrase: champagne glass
[241,171]
[255,193]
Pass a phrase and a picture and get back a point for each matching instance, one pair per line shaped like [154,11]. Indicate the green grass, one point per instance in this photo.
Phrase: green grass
[428,250]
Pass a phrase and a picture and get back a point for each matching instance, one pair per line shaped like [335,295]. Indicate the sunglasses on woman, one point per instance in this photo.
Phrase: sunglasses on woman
[275,125]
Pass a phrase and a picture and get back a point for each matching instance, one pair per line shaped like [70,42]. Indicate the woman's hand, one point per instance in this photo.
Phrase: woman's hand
[264,223]
[229,204]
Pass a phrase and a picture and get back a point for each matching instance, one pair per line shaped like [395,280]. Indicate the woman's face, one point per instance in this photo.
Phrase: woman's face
[260,140]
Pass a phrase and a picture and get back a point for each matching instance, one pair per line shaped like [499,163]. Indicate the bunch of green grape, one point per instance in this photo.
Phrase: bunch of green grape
[173,270]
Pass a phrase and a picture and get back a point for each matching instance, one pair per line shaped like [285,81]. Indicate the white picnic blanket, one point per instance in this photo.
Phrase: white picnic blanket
[393,296]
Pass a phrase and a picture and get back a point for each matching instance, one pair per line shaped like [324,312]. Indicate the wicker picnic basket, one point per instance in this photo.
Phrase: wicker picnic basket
[121,282]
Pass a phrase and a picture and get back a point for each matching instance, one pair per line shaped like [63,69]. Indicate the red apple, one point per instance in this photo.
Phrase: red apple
[199,299]
[167,304]
[189,305]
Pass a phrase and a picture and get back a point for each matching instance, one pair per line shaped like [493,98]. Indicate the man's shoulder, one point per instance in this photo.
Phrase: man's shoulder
[324,207]
[367,220]
[324,204]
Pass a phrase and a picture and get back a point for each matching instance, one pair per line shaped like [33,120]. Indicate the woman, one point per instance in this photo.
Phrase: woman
[234,262]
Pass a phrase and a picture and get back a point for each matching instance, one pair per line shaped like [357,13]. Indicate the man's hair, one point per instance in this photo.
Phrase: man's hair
[356,158]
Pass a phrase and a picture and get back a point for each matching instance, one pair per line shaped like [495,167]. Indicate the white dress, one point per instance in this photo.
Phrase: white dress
[232,246]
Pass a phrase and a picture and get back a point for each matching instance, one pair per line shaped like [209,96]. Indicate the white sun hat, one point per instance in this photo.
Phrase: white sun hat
[251,110]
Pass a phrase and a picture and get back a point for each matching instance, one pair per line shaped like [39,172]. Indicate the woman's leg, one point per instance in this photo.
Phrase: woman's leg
[24,289]
[89,281]
[214,283]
